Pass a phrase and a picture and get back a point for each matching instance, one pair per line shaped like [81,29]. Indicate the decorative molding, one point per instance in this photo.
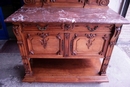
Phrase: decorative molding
[29,1]
[90,39]
[44,40]
[72,43]
[103,2]
[91,29]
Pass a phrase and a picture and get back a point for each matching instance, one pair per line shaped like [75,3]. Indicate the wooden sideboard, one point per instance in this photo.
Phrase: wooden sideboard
[66,41]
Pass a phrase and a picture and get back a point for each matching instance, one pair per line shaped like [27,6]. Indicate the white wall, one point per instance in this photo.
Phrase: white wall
[115,5]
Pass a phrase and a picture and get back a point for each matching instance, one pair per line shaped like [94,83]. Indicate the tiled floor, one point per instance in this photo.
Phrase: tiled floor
[12,71]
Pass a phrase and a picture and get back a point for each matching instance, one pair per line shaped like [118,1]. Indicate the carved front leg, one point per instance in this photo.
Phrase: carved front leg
[27,66]
[20,41]
[109,51]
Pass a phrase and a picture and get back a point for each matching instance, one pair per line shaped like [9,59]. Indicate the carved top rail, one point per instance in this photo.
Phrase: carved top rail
[66,3]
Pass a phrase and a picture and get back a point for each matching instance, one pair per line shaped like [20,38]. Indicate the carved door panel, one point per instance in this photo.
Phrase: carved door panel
[93,44]
[44,43]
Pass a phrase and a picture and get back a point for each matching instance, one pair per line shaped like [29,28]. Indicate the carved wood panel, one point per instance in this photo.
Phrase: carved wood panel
[44,43]
[88,43]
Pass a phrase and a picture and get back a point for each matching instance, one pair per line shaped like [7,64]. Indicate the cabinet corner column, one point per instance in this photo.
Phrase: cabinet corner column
[112,42]
[20,41]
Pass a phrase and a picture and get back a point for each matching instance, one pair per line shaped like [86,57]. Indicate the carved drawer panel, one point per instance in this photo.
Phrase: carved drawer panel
[42,27]
[93,27]
[93,44]
[44,43]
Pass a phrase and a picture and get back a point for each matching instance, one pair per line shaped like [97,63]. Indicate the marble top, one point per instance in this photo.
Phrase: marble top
[73,15]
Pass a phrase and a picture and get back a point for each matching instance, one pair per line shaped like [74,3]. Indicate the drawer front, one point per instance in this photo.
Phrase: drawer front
[46,43]
[93,27]
[67,27]
[42,27]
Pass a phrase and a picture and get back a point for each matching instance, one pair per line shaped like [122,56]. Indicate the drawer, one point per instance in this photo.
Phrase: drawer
[93,27]
[42,27]
[67,27]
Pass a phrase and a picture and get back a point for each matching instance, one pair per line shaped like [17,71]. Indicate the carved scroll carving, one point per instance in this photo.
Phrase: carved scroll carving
[90,39]
[103,2]
[44,40]
[29,1]
[71,44]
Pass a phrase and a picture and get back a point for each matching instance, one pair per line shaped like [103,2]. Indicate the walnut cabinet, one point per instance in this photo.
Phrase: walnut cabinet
[66,41]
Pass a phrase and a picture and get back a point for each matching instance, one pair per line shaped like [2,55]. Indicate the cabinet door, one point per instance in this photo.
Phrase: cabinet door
[44,43]
[90,44]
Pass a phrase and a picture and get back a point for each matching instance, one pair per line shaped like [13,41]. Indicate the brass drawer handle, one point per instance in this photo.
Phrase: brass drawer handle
[91,29]
[42,28]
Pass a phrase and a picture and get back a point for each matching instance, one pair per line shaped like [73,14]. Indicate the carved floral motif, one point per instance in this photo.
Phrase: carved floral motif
[44,39]
[90,39]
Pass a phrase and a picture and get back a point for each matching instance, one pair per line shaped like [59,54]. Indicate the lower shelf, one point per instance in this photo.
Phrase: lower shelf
[66,70]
